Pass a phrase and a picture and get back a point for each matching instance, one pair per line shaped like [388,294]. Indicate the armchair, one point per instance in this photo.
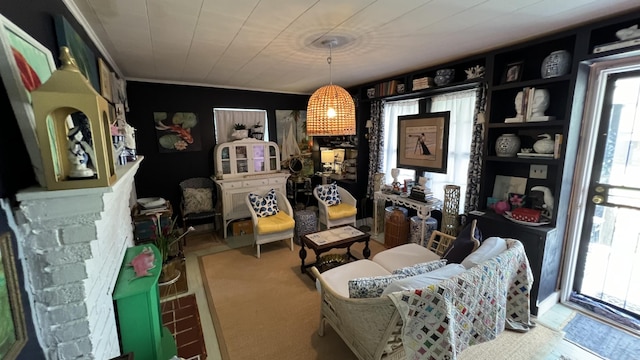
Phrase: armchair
[197,202]
[272,218]
[331,212]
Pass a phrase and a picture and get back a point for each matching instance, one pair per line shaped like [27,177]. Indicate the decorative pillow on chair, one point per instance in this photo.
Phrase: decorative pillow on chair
[370,287]
[264,206]
[464,244]
[197,200]
[329,194]
[421,268]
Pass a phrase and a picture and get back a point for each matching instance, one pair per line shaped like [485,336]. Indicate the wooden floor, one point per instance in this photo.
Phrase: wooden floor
[208,242]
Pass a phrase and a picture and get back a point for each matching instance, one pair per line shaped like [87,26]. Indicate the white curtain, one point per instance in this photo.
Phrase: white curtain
[225,119]
[390,141]
[462,106]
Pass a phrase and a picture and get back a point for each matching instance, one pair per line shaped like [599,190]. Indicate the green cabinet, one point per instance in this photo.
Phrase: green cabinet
[137,303]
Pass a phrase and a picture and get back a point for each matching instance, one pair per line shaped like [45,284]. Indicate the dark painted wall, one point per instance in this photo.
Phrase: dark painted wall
[159,173]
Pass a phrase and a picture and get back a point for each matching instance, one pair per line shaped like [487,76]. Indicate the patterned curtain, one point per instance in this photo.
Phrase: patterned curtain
[375,144]
[475,159]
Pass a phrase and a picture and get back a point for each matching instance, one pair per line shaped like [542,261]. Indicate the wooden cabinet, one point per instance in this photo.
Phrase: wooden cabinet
[542,245]
[137,302]
[245,166]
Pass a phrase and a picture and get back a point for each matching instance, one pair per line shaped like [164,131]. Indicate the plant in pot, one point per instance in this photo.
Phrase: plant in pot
[167,239]
[240,131]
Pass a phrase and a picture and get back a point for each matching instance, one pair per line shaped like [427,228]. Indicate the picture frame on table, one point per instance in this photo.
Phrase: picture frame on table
[513,72]
[13,334]
[25,64]
[423,141]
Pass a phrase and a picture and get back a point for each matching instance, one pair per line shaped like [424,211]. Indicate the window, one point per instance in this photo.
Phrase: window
[461,104]
[225,119]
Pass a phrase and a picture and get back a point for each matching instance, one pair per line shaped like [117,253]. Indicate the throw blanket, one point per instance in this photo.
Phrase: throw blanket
[443,319]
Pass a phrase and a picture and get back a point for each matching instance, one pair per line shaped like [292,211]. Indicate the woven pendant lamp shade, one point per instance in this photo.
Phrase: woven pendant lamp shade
[331,112]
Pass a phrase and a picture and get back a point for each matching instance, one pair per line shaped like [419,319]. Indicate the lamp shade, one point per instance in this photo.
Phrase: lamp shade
[331,112]
[326,156]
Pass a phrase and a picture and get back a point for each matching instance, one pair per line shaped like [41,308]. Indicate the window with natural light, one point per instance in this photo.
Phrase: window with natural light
[461,106]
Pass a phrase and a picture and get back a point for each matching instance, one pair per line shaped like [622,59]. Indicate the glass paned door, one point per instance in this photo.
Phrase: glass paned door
[608,267]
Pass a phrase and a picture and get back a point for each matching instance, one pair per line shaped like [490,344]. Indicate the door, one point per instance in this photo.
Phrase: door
[608,264]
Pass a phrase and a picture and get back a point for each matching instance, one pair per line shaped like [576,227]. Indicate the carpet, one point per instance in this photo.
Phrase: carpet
[181,317]
[603,339]
[266,309]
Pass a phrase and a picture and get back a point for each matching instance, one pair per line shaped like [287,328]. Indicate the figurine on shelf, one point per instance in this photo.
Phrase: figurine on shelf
[519,109]
[539,105]
[80,154]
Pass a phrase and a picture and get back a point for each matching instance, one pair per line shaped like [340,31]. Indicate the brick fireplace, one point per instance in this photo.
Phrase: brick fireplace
[72,243]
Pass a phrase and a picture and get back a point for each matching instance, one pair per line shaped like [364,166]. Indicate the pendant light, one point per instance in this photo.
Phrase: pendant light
[331,111]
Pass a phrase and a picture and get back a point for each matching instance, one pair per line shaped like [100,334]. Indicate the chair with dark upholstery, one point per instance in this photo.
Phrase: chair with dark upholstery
[198,201]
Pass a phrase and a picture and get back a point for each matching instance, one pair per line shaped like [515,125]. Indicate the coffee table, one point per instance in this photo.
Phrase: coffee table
[334,238]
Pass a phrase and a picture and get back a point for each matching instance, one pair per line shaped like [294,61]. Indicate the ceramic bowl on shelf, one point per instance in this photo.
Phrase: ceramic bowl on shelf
[444,76]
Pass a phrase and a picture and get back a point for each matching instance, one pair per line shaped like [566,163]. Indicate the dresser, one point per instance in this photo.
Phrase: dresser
[245,166]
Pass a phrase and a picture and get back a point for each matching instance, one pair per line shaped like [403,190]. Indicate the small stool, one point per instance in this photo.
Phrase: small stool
[306,223]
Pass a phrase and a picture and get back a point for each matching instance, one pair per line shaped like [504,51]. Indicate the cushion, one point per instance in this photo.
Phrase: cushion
[197,200]
[275,223]
[403,256]
[464,243]
[423,280]
[264,206]
[421,268]
[329,194]
[490,248]
[338,278]
[341,210]
[371,287]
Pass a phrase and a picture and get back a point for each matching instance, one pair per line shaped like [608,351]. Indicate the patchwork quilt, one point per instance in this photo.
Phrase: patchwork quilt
[443,319]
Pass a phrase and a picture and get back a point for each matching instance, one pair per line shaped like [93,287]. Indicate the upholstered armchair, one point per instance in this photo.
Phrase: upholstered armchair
[198,201]
[336,205]
[272,218]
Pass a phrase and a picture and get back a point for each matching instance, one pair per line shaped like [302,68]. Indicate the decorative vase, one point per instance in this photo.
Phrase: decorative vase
[396,184]
[545,145]
[444,76]
[507,145]
[555,64]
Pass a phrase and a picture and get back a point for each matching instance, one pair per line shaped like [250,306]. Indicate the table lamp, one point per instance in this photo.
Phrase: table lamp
[326,157]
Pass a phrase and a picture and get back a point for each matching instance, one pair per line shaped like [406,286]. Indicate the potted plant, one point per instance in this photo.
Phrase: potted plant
[167,239]
[240,131]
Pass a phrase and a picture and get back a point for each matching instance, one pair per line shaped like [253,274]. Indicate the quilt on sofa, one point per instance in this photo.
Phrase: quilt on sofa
[443,319]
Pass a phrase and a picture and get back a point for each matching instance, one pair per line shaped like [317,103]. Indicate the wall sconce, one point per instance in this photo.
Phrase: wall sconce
[368,125]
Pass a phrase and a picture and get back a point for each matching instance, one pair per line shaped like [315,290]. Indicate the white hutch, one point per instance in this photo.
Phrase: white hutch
[244,166]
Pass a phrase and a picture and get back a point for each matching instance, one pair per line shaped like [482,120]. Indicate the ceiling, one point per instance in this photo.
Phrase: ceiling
[274,45]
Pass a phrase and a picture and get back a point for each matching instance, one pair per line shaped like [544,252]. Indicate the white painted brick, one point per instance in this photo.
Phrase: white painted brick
[78,349]
[70,254]
[64,313]
[53,276]
[43,239]
[68,331]
[61,295]
[79,234]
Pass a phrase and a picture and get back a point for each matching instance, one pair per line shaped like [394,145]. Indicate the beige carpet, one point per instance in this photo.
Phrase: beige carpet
[265,309]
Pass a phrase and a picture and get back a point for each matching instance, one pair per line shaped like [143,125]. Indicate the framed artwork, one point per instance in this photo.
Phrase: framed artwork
[81,52]
[297,121]
[175,131]
[423,141]
[105,80]
[513,72]
[13,335]
[25,64]
[505,185]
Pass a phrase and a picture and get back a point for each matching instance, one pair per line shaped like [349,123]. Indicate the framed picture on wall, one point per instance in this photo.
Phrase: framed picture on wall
[177,131]
[81,52]
[423,141]
[13,335]
[513,72]
[25,64]
[105,80]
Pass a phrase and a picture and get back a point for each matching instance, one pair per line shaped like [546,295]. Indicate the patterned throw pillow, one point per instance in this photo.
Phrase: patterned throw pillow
[264,206]
[329,194]
[197,200]
[421,268]
[370,287]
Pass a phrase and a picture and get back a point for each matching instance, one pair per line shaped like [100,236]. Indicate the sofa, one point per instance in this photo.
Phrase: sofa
[419,307]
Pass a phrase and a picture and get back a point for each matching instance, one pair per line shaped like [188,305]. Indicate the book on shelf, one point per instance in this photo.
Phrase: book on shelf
[557,145]
[616,45]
